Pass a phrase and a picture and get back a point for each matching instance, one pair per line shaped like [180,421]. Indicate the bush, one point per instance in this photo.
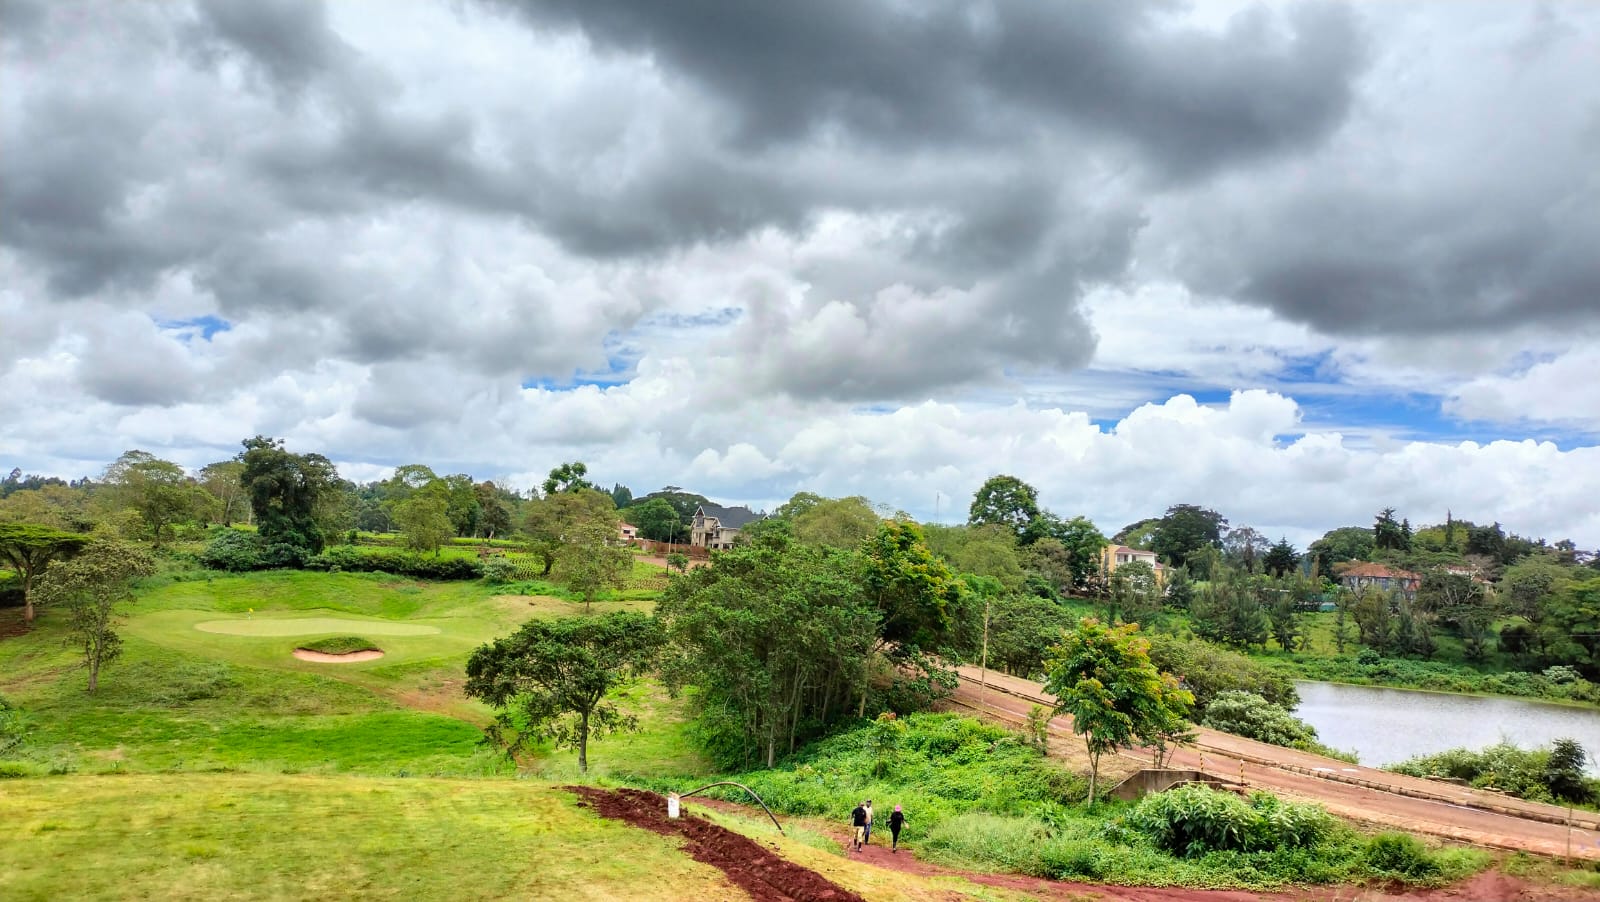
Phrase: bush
[284,555]
[233,551]
[1400,856]
[1540,775]
[498,571]
[1193,820]
[13,725]
[1253,717]
[401,563]
[1208,670]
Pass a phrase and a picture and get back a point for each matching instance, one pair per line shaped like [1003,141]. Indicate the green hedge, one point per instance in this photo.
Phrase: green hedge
[351,558]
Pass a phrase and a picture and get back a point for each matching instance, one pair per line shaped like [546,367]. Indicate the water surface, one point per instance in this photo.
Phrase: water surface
[1385,726]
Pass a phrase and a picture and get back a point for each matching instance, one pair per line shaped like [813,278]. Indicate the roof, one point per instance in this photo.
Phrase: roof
[1366,569]
[1123,549]
[730,517]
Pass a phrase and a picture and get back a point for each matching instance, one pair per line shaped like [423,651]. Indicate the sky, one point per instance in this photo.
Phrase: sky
[1295,261]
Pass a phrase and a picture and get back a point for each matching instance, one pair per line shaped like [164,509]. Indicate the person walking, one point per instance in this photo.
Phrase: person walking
[897,819]
[858,820]
[869,822]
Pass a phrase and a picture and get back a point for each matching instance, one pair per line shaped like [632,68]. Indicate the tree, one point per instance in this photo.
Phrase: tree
[1133,594]
[285,490]
[621,495]
[569,477]
[1005,501]
[1244,548]
[1103,677]
[1460,603]
[494,519]
[985,550]
[157,490]
[1281,559]
[772,633]
[1184,530]
[30,548]
[1347,543]
[1229,611]
[837,522]
[595,559]
[1283,613]
[551,522]
[424,521]
[915,594]
[90,587]
[1387,532]
[553,679]
[679,561]
[657,520]
[223,480]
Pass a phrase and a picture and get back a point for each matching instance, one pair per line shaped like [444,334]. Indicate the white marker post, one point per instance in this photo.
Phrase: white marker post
[672,805]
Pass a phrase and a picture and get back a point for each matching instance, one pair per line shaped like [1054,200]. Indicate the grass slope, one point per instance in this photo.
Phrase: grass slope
[250,836]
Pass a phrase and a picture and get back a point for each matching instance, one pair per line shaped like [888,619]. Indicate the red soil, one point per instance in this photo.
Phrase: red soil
[752,867]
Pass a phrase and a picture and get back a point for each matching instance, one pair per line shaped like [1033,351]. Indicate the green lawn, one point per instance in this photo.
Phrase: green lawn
[233,836]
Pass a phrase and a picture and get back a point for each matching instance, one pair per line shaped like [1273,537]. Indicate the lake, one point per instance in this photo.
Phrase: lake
[1385,726]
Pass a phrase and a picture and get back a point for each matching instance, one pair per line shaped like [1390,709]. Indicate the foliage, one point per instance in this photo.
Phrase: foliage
[1184,530]
[774,634]
[1347,543]
[552,523]
[657,520]
[424,521]
[1004,501]
[1281,558]
[13,726]
[914,593]
[984,550]
[1228,610]
[837,522]
[595,560]
[1541,774]
[1132,594]
[285,492]
[1190,821]
[1208,670]
[1022,629]
[232,550]
[569,477]
[1253,717]
[1388,533]
[551,679]
[1103,677]
[1399,855]
[30,548]
[340,645]
[401,563]
[91,587]
[158,490]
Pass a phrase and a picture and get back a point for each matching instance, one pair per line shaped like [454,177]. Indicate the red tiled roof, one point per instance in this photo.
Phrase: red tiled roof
[1375,571]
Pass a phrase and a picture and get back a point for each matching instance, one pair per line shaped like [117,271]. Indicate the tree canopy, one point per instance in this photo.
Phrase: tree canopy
[1185,530]
[30,548]
[285,491]
[90,587]
[1004,501]
[553,679]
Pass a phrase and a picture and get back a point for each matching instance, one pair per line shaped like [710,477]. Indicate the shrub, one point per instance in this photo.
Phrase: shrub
[233,551]
[401,563]
[1253,717]
[499,571]
[1193,820]
[1399,855]
[284,555]
[341,645]
[1208,670]
[13,725]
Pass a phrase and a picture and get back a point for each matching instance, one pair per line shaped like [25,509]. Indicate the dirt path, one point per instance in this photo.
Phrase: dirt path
[754,868]
[1358,793]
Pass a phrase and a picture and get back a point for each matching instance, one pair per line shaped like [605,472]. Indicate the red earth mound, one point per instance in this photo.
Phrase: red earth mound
[753,868]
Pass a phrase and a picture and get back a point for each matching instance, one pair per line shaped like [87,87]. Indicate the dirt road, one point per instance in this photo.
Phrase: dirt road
[1358,793]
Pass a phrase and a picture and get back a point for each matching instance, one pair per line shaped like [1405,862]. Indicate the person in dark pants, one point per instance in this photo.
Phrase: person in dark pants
[896,821]
[858,820]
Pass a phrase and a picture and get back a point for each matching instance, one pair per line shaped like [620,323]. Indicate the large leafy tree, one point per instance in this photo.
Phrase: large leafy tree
[90,588]
[985,550]
[837,522]
[285,492]
[657,520]
[1185,530]
[773,634]
[30,548]
[1244,547]
[551,523]
[1347,543]
[1102,676]
[556,679]
[1005,501]
[223,480]
[571,477]
[157,490]
[424,521]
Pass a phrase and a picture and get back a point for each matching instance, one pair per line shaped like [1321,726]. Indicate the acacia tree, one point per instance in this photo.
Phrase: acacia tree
[553,679]
[30,548]
[90,587]
[1103,677]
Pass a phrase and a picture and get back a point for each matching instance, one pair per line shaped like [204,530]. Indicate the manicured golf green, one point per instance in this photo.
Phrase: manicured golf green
[312,626]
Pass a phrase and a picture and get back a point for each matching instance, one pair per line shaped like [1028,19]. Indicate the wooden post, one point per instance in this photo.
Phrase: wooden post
[983,678]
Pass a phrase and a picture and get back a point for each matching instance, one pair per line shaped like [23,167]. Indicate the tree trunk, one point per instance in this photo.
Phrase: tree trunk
[1094,775]
[94,675]
[583,743]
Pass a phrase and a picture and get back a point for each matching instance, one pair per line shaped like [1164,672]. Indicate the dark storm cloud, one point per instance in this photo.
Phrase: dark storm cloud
[912,75]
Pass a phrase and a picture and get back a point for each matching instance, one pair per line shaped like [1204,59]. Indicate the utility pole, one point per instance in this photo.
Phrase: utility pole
[983,667]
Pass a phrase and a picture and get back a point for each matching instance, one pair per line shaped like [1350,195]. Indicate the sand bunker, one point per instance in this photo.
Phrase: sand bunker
[322,657]
[312,626]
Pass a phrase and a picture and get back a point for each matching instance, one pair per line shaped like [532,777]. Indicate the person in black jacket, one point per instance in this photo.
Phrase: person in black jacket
[858,820]
[896,821]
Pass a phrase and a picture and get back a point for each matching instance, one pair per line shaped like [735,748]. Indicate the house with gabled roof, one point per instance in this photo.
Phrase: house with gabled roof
[714,527]
[1358,575]
[1114,556]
